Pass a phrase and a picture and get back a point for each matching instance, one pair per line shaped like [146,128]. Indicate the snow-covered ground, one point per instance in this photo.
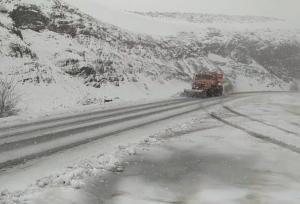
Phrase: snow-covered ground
[243,150]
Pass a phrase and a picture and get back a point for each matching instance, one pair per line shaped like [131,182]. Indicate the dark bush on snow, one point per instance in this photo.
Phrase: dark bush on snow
[64,29]
[8,97]
[17,50]
[87,71]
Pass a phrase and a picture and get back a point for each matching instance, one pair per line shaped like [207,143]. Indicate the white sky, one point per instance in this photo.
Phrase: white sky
[289,9]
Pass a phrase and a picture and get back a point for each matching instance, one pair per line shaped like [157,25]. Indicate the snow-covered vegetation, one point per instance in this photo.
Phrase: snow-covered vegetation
[62,57]
[8,97]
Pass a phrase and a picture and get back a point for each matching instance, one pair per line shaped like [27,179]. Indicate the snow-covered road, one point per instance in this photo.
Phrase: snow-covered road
[243,148]
[24,142]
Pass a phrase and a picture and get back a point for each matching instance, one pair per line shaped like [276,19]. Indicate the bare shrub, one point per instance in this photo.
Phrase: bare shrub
[8,97]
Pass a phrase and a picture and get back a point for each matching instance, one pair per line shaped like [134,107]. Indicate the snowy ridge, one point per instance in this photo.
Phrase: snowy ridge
[208,18]
[63,58]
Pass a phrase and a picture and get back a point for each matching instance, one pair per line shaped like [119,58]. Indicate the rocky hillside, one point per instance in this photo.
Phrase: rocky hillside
[62,57]
[276,47]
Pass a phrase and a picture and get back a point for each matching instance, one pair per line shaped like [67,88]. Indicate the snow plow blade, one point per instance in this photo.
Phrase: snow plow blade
[194,93]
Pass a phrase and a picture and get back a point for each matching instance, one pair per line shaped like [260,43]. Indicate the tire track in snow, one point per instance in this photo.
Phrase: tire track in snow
[259,121]
[88,113]
[4,165]
[68,132]
[297,124]
[24,128]
[258,135]
[24,159]
[297,114]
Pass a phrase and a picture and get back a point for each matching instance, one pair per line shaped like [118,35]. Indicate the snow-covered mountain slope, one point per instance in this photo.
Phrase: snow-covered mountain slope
[62,57]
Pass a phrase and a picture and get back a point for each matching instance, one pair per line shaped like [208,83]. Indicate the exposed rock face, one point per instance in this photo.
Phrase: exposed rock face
[29,17]
[282,59]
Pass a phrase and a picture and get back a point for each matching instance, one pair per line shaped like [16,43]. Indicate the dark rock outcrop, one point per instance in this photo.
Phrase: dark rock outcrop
[29,17]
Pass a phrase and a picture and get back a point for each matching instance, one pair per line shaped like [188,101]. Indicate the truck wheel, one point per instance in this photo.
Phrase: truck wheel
[214,91]
[218,91]
[209,93]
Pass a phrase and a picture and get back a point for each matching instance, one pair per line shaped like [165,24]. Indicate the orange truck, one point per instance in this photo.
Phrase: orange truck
[206,84]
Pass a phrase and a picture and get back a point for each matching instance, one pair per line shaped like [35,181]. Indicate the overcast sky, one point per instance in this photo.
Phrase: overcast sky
[277,8]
